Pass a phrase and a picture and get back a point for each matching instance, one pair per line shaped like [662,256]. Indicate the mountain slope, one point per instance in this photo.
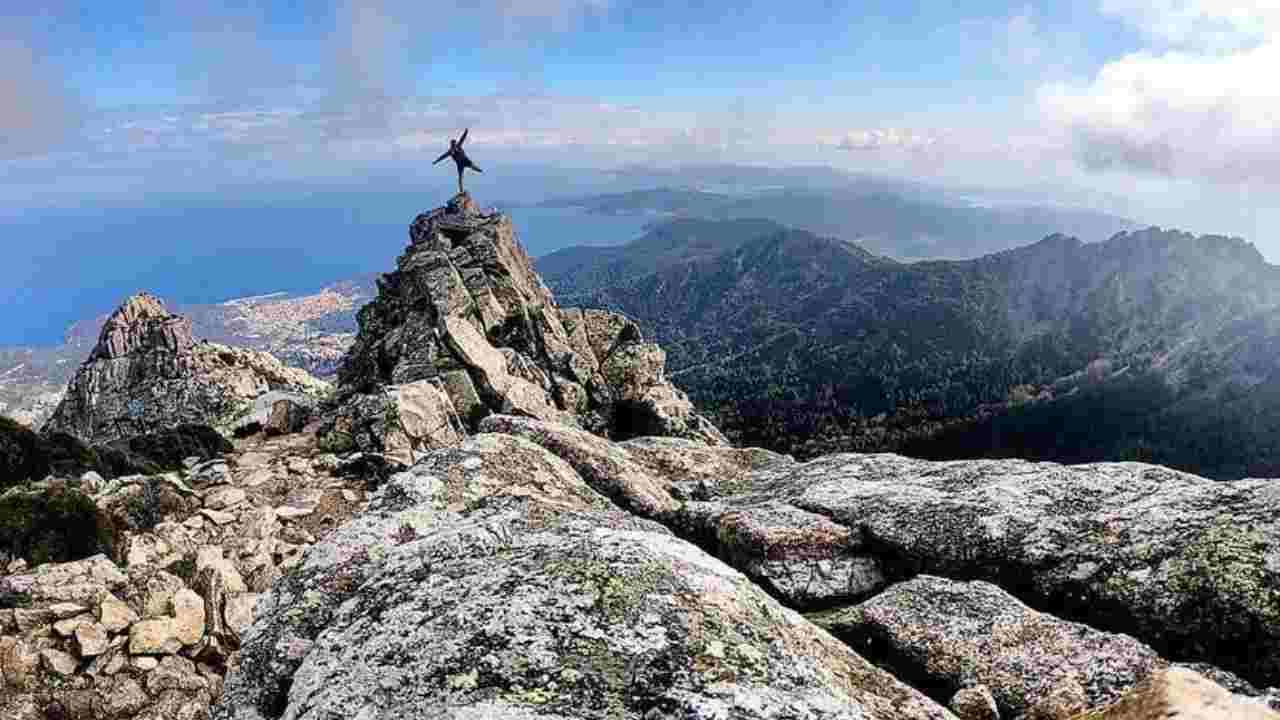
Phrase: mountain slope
[1156,345]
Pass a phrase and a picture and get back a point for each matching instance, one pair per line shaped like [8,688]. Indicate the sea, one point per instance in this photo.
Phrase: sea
[61,266]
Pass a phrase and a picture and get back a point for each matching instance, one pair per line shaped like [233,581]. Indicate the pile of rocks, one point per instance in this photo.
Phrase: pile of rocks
[148,373]
[149,633]
[464,328]
[535,571]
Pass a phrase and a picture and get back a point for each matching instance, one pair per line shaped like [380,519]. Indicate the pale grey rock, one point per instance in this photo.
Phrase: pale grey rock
[801,556]
[189,616]
[91,639]
[614,617]
[223,497]
[62,611]
[963,634]
[58,662]
[26,621]
[1185,564]
[606,466]
[83,582]
[154,637]
[211,557]
[399,421]
[145,663]
[115,615]
[218,517]
[125,696]
[644,475]
[239,611]
[157,590]
[290,512]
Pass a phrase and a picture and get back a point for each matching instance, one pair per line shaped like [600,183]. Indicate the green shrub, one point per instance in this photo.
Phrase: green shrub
[10,599]
[69,457]
[21,457]
[53,524]
[144,509]
[164,450]
[185,568]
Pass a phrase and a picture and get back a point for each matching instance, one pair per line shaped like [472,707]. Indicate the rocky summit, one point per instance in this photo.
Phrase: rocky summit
[506,512]
[464,327]
[147,373]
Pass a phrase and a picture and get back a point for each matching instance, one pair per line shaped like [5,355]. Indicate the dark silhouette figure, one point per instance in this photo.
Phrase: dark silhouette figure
[459,157]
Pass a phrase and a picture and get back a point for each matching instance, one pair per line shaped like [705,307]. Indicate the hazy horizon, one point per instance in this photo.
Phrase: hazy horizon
[1162,112]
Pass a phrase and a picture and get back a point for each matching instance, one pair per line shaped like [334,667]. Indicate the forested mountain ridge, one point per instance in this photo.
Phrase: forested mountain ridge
[1155,345]
[901,222]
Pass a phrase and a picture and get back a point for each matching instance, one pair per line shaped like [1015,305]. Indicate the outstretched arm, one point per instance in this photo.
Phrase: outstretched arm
[445,155]
[464,137]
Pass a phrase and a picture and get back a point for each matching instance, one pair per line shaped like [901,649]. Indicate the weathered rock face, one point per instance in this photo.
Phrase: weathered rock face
[494,582]
[147,373]
[465,310]
[1179,694]
[538,570]
[954,635]
[1188,565]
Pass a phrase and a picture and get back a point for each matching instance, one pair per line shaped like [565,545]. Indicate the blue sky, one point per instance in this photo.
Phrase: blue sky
[1163,109]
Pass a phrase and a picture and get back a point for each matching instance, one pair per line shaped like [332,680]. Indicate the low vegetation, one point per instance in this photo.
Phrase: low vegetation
[57,523]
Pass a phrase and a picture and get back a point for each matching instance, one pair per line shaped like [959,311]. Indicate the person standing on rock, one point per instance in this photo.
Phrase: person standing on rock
[459,156]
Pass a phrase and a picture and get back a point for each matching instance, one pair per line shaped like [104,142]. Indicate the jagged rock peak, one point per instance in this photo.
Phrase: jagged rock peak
[142,323]
[465,313]
[147,373]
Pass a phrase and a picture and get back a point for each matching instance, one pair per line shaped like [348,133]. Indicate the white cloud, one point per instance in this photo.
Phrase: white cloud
[1208,109]
[1205,24]
[885,139]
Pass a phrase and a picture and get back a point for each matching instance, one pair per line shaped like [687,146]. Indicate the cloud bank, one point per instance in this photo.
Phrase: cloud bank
[1203,104]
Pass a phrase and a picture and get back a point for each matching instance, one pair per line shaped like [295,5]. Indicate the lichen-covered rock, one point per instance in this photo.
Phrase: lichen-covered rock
[1188,565]
[648,476]
[494,582]
[401,422]
[465,307]
[147,373]
[85,582]
[961,634]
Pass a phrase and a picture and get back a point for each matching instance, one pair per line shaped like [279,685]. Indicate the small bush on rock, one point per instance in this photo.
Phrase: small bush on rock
[21,457]
[184,567]
[11,599]
[57,523]
[157,452]
[143,510]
